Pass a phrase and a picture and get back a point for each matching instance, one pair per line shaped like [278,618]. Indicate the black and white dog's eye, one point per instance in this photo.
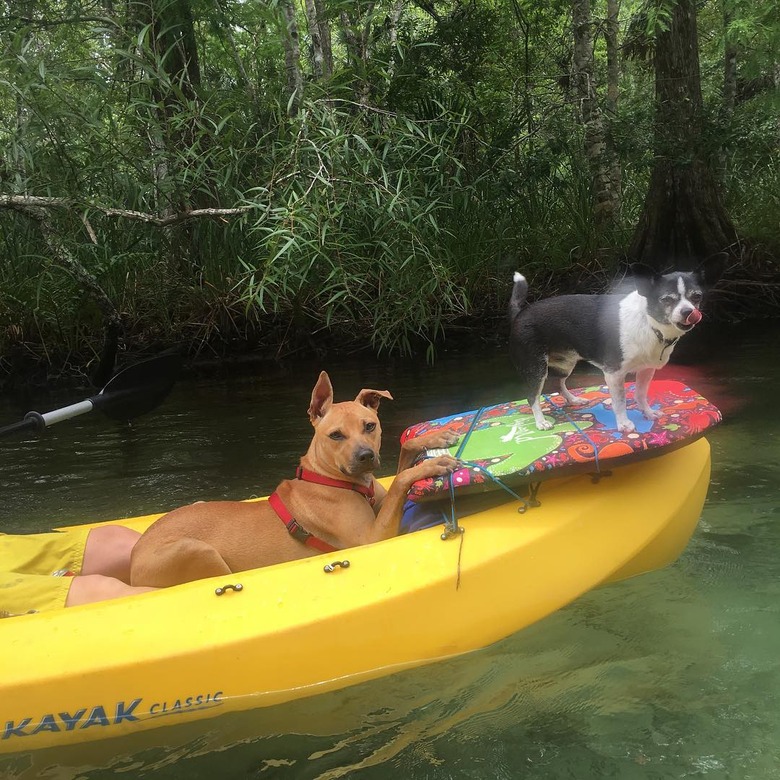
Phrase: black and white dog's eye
[695,297]
[669,300]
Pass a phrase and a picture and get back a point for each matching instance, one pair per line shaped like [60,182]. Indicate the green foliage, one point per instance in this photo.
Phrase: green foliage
[352,231]
[438,156]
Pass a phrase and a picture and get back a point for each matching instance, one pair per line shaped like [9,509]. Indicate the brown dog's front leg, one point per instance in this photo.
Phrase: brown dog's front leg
[388,520]
[434,440]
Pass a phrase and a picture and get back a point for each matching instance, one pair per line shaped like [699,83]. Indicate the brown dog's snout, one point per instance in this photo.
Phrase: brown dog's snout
[364,460]
[366,457]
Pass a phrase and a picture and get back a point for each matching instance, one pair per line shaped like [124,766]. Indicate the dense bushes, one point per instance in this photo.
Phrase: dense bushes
[385,201]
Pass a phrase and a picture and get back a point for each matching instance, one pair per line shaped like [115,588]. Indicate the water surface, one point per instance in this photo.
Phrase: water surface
[673,674]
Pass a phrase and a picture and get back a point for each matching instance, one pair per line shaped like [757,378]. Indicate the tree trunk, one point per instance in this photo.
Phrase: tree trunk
[729,96]
[683,220]
[292,58]
[176,81]
[591,115]
[317,56]
[395,16]
[174,42]
[613,81]
[325,39]
[319,32]
[356,42]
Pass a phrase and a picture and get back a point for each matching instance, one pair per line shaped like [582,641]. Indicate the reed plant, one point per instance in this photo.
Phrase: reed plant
[384,206]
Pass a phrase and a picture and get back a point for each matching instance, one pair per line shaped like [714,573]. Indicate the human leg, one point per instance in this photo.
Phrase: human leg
[107,551]
[89,588]
[99,558]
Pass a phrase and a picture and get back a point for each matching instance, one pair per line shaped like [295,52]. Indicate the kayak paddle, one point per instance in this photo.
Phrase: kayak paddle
[132,392]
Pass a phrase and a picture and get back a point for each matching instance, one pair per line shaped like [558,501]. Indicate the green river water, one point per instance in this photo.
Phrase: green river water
[674,674]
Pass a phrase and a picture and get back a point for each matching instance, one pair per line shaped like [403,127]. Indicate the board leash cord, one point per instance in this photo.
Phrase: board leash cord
[559,411]
[451,524]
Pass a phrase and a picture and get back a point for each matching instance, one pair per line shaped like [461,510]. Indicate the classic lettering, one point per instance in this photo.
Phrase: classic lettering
[178,706]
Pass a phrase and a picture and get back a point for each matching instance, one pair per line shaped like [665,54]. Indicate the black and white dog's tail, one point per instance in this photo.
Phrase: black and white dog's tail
[519,294]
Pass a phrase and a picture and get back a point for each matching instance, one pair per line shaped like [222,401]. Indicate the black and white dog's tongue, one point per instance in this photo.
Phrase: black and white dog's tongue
[693,317]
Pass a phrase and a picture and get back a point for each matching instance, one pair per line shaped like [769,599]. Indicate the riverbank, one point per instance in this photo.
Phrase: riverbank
[242,344]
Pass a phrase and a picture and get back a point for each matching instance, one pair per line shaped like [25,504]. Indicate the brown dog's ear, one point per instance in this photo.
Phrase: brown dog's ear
[321,398]
[371,398]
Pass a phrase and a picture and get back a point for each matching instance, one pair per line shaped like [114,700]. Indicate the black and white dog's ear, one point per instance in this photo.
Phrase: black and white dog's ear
[711,269]
[644,278]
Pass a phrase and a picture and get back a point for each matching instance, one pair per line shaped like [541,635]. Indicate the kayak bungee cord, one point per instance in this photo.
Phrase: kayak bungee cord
[559,410]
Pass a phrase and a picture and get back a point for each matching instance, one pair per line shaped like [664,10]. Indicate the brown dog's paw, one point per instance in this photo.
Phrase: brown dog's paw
[434,440]
[441,439]
[432,467]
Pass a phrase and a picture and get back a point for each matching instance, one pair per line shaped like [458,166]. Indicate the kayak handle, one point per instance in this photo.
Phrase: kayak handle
[329,567]
[238,587]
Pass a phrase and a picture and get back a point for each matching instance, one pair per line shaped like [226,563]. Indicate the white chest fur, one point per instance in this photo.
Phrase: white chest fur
[644,342]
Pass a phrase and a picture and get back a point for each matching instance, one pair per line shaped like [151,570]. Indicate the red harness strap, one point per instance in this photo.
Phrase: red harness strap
[312,476]
[294,528]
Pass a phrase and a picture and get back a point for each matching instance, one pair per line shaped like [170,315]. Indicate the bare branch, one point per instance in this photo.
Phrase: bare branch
[33,201]
[43,23]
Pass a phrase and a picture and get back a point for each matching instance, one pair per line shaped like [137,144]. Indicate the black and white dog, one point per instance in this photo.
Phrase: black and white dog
[619,334]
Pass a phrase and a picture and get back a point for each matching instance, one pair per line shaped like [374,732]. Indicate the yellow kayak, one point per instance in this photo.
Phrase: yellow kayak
[295,630]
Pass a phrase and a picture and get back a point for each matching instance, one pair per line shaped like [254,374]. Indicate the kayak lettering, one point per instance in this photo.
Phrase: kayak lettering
[99,715]
[191,702]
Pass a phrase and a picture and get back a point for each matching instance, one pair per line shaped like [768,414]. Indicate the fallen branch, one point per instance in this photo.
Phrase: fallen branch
[22,202]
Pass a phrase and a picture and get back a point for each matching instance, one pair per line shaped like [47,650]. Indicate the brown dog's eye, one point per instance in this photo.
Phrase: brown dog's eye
[336,435]
[370,427]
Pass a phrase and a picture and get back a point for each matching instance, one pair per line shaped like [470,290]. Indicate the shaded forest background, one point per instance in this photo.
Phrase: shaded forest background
[280,176]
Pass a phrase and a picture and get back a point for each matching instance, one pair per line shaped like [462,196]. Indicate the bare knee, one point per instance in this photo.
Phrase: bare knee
[89,588]
[108,551]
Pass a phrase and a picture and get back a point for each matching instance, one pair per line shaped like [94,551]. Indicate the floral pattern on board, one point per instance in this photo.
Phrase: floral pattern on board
[502,442]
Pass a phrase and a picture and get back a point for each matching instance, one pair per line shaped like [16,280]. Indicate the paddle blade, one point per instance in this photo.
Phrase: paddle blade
[139,388]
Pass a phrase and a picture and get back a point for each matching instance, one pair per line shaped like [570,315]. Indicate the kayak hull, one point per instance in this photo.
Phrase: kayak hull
[294,630]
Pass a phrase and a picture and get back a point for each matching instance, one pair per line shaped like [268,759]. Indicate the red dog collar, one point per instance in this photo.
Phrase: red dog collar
[311,476]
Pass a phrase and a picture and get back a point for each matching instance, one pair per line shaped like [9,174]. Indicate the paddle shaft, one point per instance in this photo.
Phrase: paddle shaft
[38,421]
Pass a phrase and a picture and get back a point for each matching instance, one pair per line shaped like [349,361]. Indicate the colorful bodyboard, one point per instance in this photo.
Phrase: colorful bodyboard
[501,444]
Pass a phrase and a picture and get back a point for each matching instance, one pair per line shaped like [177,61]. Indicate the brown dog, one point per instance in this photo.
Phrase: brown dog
[334,502]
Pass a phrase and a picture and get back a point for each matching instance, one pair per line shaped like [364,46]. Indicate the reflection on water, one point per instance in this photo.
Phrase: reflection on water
[673,674]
